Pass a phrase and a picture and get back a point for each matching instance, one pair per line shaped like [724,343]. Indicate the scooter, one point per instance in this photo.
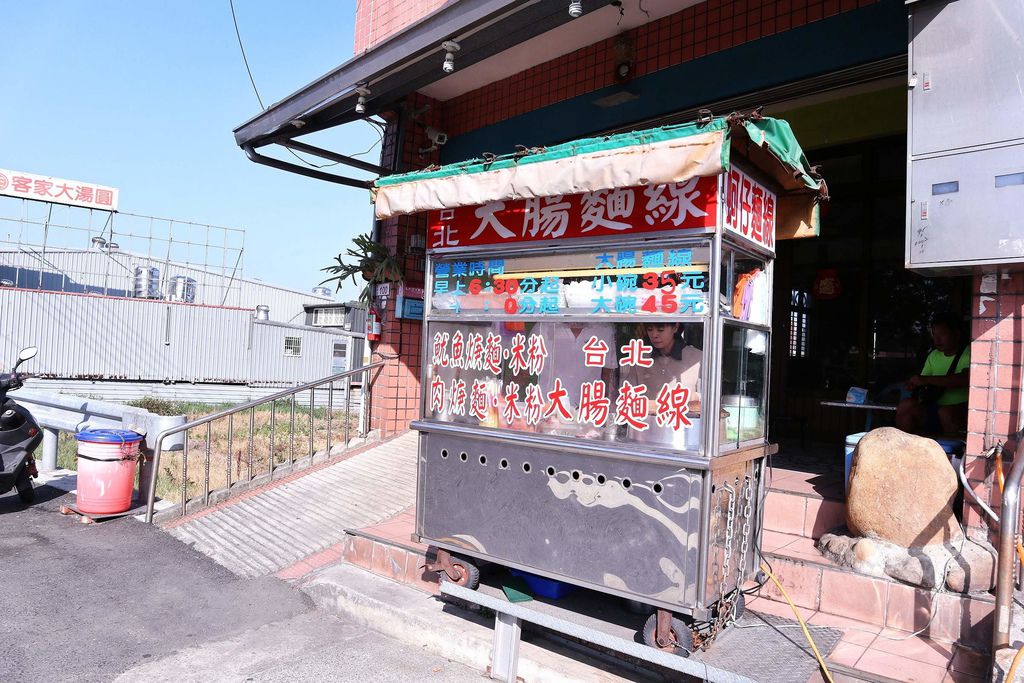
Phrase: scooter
[19,436]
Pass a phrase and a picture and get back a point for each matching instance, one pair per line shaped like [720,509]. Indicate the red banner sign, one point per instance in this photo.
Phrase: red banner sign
[688,205]
[749,209]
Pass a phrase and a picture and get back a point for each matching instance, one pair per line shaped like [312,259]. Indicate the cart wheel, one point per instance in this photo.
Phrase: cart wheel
[468,573]
[681,634]
[26,493]
[741,605]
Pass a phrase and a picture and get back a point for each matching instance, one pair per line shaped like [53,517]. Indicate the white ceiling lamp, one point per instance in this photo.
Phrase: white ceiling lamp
[576,9]
[363,91]
[450,47]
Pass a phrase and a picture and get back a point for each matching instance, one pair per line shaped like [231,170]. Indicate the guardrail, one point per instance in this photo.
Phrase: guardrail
[57,413]
[260,440]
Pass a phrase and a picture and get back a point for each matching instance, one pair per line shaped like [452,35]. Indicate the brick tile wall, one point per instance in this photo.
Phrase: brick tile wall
[697,31]
[378,19]
[997,359]
[395,401]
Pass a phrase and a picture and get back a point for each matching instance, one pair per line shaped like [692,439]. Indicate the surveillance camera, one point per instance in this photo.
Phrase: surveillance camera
[436,136]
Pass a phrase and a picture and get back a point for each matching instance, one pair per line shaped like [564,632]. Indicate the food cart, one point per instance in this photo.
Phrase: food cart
[596,346]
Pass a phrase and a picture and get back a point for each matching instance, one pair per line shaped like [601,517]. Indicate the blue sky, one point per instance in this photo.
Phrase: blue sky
[143,96]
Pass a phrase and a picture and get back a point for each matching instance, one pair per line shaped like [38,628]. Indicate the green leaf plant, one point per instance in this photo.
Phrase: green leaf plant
[367,259]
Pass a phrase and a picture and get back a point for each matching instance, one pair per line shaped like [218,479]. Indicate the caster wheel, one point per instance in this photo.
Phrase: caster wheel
[741,605]
[26,494]
[468,573]
[682,638]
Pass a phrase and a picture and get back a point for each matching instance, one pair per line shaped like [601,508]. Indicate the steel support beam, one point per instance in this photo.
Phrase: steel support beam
[302,170]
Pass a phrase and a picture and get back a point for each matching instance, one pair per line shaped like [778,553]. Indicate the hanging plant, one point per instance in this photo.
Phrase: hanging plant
[366,259]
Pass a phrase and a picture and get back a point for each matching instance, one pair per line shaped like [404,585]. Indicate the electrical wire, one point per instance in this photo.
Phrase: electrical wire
[807,634]
[245,60]
[238,35]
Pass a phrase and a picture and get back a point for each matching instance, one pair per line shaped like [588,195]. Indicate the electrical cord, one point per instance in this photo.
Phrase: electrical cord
[807,634]
[1013,665]
[245,60]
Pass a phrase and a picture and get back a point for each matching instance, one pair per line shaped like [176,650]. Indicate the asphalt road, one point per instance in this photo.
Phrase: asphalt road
[92,602]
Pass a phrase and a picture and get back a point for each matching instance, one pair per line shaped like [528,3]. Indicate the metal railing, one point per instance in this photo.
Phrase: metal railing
[278,454]
[57,413]
[1009,532]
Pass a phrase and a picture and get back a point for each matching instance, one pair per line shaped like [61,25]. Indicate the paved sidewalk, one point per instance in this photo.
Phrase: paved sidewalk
[84,602]
[122,600]
[310,647]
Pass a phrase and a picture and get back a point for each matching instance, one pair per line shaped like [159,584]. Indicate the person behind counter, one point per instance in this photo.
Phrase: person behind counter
[674,361]
[939,399]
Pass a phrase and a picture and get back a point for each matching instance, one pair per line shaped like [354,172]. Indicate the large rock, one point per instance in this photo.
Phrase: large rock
[901,490]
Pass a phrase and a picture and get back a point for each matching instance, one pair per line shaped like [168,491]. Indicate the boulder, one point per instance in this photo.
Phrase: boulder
[901,490]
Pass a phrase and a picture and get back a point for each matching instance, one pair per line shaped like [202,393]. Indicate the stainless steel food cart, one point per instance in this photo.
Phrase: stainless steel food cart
[561,435]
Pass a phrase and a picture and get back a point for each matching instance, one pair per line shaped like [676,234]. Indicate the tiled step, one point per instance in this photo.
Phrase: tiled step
[877,653]
[393,558]
[804,504]
[818,585]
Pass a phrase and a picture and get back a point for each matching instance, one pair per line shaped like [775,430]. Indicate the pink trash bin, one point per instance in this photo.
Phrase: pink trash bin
[106,470]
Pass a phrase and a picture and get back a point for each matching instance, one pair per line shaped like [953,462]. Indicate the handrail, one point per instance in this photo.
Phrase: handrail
[207,419]
[1007,542]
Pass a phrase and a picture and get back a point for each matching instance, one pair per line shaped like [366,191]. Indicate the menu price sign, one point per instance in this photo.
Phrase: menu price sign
[630,282]
[691,204]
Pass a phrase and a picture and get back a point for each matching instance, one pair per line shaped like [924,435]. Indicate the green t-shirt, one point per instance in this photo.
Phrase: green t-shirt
[937,364]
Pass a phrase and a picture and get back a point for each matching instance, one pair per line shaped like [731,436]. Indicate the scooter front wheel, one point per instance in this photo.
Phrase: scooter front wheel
[26,493]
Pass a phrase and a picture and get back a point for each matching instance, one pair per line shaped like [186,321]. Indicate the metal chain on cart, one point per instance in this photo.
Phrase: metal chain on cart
[741,566]
[725,607]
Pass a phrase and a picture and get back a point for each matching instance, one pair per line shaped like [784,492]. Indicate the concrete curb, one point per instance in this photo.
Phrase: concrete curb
[424,621]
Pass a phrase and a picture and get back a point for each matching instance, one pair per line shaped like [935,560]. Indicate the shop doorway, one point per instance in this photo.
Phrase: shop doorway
[846,311]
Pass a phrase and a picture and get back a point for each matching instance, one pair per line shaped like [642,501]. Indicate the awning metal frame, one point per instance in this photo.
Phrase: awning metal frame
[397,67]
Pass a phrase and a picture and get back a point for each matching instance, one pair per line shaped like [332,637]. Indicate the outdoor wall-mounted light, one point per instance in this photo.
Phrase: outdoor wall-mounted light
[450,47]
[576,9]
[361,102]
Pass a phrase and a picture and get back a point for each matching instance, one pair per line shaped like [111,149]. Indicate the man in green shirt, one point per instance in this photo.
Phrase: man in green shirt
[941,390]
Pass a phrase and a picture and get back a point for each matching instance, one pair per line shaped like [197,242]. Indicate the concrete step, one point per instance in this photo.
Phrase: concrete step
[816,584]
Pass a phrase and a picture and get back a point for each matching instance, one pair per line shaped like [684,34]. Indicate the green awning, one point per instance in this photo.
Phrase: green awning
[646,157]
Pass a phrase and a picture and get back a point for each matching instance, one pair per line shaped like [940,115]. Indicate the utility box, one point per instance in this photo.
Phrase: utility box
[965,135]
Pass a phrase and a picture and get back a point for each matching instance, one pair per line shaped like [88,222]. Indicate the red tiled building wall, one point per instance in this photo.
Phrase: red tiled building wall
[997,361]
[692,33]
[378,19]
[396,389]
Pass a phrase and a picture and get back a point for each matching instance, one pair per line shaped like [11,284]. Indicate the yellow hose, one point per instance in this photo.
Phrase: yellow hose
[1013,666]
[807,634]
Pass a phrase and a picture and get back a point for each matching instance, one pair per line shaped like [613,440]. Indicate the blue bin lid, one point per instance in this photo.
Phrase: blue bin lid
[950,446]
[854,439]
[118,436]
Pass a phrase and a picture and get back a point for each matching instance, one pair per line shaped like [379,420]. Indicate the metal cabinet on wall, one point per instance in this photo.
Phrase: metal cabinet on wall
[965,134]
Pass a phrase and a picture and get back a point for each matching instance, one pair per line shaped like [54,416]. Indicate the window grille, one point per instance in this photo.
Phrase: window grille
[293,346]
[799,323]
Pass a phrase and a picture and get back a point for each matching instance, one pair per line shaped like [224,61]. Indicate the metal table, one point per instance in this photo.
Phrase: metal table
[869,407]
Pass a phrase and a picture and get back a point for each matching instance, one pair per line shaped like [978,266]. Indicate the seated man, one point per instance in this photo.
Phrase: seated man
[939,402]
